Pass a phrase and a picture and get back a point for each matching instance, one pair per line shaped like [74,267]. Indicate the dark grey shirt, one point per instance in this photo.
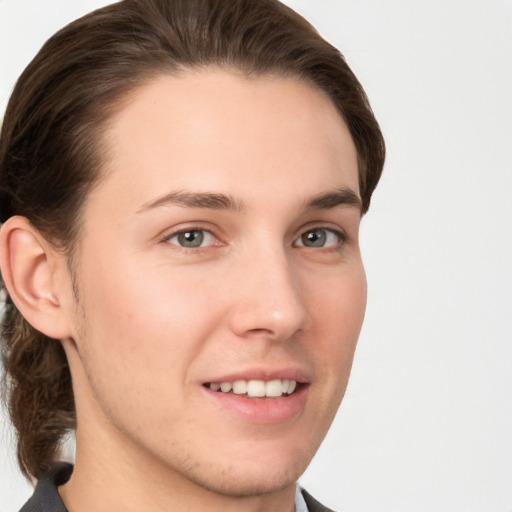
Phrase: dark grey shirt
[46,498]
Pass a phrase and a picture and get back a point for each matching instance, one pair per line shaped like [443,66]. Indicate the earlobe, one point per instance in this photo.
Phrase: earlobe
[28,263]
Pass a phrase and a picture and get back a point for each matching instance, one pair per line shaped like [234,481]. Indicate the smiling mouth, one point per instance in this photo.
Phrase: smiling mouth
[255,388]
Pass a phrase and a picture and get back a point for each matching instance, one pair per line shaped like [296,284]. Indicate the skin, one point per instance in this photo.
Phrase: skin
[154,320]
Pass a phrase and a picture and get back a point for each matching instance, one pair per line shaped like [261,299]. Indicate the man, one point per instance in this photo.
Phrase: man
[182,184]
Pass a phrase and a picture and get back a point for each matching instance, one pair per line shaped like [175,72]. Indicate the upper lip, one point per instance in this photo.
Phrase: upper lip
[296,373]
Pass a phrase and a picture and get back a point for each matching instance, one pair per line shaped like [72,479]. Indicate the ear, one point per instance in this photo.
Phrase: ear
[29,266]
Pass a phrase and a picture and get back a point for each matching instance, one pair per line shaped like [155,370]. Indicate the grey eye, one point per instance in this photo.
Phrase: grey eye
[314,238]
[192,238]
[319,237]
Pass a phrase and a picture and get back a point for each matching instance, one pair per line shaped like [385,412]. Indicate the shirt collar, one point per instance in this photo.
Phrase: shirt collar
[300,503]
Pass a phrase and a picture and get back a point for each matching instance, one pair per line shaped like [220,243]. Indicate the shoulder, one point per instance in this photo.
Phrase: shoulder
[313,505]
[46,497]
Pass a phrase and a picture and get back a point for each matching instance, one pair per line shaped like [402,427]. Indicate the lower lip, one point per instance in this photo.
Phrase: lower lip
[261,410]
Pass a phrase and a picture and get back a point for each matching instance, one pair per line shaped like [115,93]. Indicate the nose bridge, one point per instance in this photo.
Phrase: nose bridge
[268,298]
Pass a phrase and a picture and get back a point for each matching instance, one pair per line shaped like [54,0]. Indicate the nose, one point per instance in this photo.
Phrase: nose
[267,298]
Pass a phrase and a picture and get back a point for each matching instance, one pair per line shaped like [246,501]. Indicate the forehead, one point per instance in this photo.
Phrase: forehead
[214,129]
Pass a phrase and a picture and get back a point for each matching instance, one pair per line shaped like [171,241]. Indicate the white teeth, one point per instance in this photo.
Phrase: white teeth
[240,387]
[225,387]
[275,388]
[257,388]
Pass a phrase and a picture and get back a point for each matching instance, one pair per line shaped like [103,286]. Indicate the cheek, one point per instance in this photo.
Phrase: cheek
[338,305]
[138,326]
[337,301]
[143,335]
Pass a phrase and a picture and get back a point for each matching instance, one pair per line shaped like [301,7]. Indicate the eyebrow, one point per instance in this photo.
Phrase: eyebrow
[217,201]
[340,197]
[209,200]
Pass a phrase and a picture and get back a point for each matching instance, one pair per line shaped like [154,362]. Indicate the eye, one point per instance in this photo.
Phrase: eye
[319,237]
[192,238]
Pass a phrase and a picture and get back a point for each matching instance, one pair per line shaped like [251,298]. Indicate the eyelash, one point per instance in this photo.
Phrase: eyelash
[298,242]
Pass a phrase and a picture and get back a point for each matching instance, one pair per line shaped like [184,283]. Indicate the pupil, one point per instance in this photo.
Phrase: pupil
[314,238]
[191,238]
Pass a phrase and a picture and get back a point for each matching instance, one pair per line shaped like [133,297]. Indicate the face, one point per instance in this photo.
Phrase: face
[221,289]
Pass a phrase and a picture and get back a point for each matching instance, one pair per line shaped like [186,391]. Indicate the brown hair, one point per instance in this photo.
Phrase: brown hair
[51,141]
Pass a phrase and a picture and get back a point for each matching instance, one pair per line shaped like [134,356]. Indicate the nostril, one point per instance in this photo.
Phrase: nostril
[260,331]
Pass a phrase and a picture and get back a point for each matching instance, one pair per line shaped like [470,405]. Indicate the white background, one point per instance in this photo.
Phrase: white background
[426,424]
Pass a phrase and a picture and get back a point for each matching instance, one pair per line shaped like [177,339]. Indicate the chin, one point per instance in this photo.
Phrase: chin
[246,483]
[266,472]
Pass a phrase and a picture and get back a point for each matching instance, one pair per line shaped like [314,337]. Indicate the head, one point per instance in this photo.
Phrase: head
[102,141]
